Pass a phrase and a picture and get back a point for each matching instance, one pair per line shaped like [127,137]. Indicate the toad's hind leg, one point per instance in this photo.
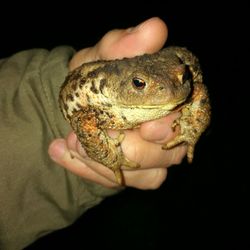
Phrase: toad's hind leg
[98,144]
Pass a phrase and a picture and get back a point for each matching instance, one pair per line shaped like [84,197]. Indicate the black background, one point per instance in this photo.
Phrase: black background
[203,205]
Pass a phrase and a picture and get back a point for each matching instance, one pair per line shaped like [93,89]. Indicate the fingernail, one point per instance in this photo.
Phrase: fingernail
[136,28]
[139,26]
[131,29]
[57,150]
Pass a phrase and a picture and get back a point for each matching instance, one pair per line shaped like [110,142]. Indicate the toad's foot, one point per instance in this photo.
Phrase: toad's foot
[121,159]
[117,169]
[192,124]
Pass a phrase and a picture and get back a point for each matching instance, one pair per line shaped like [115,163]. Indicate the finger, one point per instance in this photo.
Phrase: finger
[160,130]
[90,170]
[147,37]
[145,178]
[59,152]
[145,152]
[140,178]
[73,144]
[149,154]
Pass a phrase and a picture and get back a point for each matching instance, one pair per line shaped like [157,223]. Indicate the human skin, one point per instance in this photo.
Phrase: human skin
[142,145]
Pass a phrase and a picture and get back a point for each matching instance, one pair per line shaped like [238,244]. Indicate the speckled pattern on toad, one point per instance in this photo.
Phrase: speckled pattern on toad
[122,94]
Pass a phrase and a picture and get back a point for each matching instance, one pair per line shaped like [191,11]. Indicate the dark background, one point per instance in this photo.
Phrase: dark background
[203,205]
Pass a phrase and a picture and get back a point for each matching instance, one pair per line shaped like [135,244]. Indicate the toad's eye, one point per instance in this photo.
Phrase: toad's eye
[138,83]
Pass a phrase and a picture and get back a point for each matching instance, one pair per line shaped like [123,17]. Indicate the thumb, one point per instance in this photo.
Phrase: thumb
[147,37]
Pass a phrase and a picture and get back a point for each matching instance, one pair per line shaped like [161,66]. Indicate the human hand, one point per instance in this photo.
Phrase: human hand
[141,145]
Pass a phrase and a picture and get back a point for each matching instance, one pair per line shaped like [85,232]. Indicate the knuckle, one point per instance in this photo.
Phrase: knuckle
[178,154]
[157,178]
[111,185]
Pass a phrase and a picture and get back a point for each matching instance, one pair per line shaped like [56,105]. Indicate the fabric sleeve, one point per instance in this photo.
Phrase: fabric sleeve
[36,196]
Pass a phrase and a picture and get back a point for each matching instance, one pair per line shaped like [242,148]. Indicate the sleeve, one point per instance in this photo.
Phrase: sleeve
[36,196]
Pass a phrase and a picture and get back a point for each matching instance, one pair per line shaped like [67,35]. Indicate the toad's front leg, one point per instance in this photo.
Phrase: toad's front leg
[194,120]
[97,143]
[196,114]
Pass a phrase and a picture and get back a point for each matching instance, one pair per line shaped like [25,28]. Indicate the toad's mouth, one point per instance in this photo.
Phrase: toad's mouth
[170,106]
[134,115]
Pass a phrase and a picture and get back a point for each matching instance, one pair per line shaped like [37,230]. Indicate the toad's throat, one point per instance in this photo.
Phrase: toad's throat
[136,114]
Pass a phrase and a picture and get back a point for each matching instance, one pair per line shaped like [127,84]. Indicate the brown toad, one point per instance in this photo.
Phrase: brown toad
[122,94]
